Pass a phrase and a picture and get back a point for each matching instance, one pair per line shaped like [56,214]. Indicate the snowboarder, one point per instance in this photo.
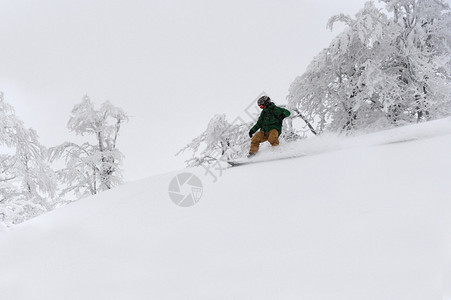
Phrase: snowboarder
[270,124]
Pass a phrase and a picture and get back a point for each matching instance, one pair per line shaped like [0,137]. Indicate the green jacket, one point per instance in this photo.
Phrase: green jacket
[270,118]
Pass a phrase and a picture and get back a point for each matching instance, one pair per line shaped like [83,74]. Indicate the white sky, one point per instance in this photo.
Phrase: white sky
[171,65]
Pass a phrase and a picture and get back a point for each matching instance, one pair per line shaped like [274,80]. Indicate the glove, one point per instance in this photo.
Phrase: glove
[251,133]
[281,117]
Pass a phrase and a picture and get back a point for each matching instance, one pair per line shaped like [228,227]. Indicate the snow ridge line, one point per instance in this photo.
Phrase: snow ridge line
[334,142]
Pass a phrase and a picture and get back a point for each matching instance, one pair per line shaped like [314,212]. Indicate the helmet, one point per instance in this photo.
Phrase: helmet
[264,100]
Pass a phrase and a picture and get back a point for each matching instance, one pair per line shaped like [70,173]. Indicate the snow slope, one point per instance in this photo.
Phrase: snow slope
[366,217]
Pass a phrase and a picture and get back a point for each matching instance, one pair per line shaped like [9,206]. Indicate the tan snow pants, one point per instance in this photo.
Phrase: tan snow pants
[260,137]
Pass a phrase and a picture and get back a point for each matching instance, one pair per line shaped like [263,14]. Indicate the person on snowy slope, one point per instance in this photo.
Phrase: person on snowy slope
[270,124]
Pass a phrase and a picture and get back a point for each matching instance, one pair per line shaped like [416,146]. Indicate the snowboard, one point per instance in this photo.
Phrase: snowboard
[256,159]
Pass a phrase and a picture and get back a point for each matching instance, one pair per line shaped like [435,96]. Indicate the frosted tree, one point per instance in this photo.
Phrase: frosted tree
[92,167]
[220,141]
[380,70]
[422,60]
[333,91]
[27,183]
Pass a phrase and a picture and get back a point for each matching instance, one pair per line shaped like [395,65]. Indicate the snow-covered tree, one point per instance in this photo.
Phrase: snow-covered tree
[92,167]
[422,60]
[221,140]
[381,69]
[27,183]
